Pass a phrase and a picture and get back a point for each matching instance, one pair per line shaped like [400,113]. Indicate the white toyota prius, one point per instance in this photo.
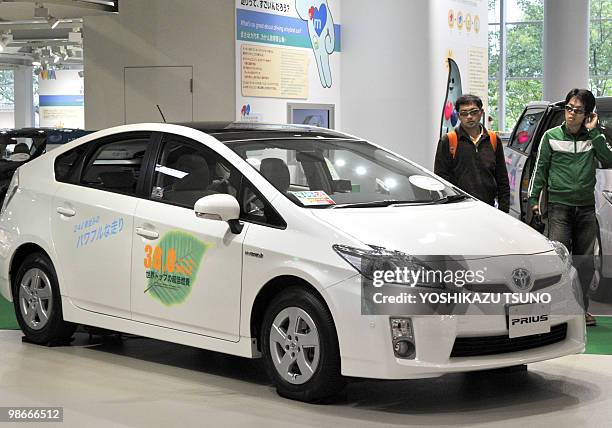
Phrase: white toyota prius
[285,243]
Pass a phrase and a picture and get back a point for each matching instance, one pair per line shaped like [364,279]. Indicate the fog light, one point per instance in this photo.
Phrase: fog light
[402,336]
[404,349]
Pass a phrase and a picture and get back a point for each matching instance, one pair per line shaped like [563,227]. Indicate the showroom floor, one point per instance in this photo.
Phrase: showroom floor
[142,382]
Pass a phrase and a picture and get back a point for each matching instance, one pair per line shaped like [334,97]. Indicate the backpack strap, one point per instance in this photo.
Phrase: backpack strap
[493,139]
[453,141]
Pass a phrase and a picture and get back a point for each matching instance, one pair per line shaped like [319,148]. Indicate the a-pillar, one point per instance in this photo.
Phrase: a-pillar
[566,47]
[24,97]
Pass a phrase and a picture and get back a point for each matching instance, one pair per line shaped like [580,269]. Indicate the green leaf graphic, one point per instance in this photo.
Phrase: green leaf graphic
[172,288]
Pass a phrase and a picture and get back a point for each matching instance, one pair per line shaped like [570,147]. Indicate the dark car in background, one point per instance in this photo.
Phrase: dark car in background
[521,153]
[18,146]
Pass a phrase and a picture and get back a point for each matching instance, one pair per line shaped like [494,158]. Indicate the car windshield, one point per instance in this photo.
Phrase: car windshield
[16,149]
[342,173]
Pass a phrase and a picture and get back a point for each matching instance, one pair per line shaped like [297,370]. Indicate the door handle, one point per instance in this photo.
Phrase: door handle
[68,212]
[145,233]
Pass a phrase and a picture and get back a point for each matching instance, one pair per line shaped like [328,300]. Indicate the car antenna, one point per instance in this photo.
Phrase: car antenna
[161,113]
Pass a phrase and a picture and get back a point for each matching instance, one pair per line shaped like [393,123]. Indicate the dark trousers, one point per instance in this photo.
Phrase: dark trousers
[576,228]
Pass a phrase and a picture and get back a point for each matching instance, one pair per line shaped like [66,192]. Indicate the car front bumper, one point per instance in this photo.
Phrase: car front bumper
[366,345]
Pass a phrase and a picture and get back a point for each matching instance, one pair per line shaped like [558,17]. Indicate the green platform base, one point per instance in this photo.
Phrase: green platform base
[7,316]
[599,338]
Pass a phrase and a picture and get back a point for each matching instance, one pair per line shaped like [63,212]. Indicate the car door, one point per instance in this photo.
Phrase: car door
[603,198]
[186,271]
[92,219]
[517,153]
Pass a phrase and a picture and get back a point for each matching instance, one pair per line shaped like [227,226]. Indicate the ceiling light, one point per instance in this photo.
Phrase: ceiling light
[53,22]
[110,3]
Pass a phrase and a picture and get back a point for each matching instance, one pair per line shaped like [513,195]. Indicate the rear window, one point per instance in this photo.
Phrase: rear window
[525,129]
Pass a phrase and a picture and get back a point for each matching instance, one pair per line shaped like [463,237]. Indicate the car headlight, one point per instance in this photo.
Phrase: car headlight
[563,254]
[374,263]
[11,190]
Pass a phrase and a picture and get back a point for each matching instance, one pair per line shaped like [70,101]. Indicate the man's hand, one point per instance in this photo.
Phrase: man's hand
[535,210]
[591,121]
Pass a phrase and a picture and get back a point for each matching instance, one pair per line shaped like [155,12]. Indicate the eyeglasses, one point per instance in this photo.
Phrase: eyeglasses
[474,112]
[576,110]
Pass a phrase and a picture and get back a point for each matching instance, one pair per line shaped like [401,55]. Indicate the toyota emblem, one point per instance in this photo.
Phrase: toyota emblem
[521,278]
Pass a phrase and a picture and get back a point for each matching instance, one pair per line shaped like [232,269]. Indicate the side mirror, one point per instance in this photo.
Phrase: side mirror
[221,207]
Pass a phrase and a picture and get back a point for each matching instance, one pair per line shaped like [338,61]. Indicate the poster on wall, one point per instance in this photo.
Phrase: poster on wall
[286,51]
[461,55]
[61,100]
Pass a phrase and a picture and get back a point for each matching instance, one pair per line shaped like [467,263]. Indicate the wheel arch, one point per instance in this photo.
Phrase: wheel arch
[269,291]
[19,256]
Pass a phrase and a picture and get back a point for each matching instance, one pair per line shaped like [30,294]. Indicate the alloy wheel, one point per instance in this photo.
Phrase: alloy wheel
[35,298]
[295,345]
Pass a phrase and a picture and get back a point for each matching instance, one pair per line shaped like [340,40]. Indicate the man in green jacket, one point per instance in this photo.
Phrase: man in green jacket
[566,166]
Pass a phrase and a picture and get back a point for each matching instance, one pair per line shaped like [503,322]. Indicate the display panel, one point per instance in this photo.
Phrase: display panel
[321,115]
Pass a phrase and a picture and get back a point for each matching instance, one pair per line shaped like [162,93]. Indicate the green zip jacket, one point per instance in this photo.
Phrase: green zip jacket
[566,165]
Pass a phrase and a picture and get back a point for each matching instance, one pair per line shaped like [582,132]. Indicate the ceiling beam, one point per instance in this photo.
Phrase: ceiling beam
[11,59]
[33,24]
[41,43]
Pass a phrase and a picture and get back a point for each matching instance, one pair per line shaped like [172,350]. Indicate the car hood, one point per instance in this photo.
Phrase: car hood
[465,228]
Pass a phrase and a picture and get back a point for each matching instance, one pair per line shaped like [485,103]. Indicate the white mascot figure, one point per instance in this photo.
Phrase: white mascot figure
[321,30]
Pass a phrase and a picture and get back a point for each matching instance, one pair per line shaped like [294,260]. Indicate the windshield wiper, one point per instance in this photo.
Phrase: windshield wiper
[450,199]
[378,204]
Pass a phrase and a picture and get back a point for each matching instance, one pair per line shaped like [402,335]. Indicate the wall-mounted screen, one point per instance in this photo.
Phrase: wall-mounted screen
[321,115]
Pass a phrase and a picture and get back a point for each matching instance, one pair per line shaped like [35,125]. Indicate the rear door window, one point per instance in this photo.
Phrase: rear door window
[115,165]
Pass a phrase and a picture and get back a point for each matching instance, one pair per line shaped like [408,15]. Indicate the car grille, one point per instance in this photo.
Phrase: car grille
[538,284]
[493,345]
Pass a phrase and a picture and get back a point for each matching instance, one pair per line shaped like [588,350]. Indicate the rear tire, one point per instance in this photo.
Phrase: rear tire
[38,303]
[300,347]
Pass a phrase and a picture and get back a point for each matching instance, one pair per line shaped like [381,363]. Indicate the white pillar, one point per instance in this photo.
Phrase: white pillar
[566,47]
[503,65]
[24,98]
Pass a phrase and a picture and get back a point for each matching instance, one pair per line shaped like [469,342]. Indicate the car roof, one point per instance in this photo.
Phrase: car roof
[602,103]
[35,132]
[244,131]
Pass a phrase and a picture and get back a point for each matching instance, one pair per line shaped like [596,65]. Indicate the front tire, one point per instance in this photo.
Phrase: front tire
[37,301]
[300,347]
